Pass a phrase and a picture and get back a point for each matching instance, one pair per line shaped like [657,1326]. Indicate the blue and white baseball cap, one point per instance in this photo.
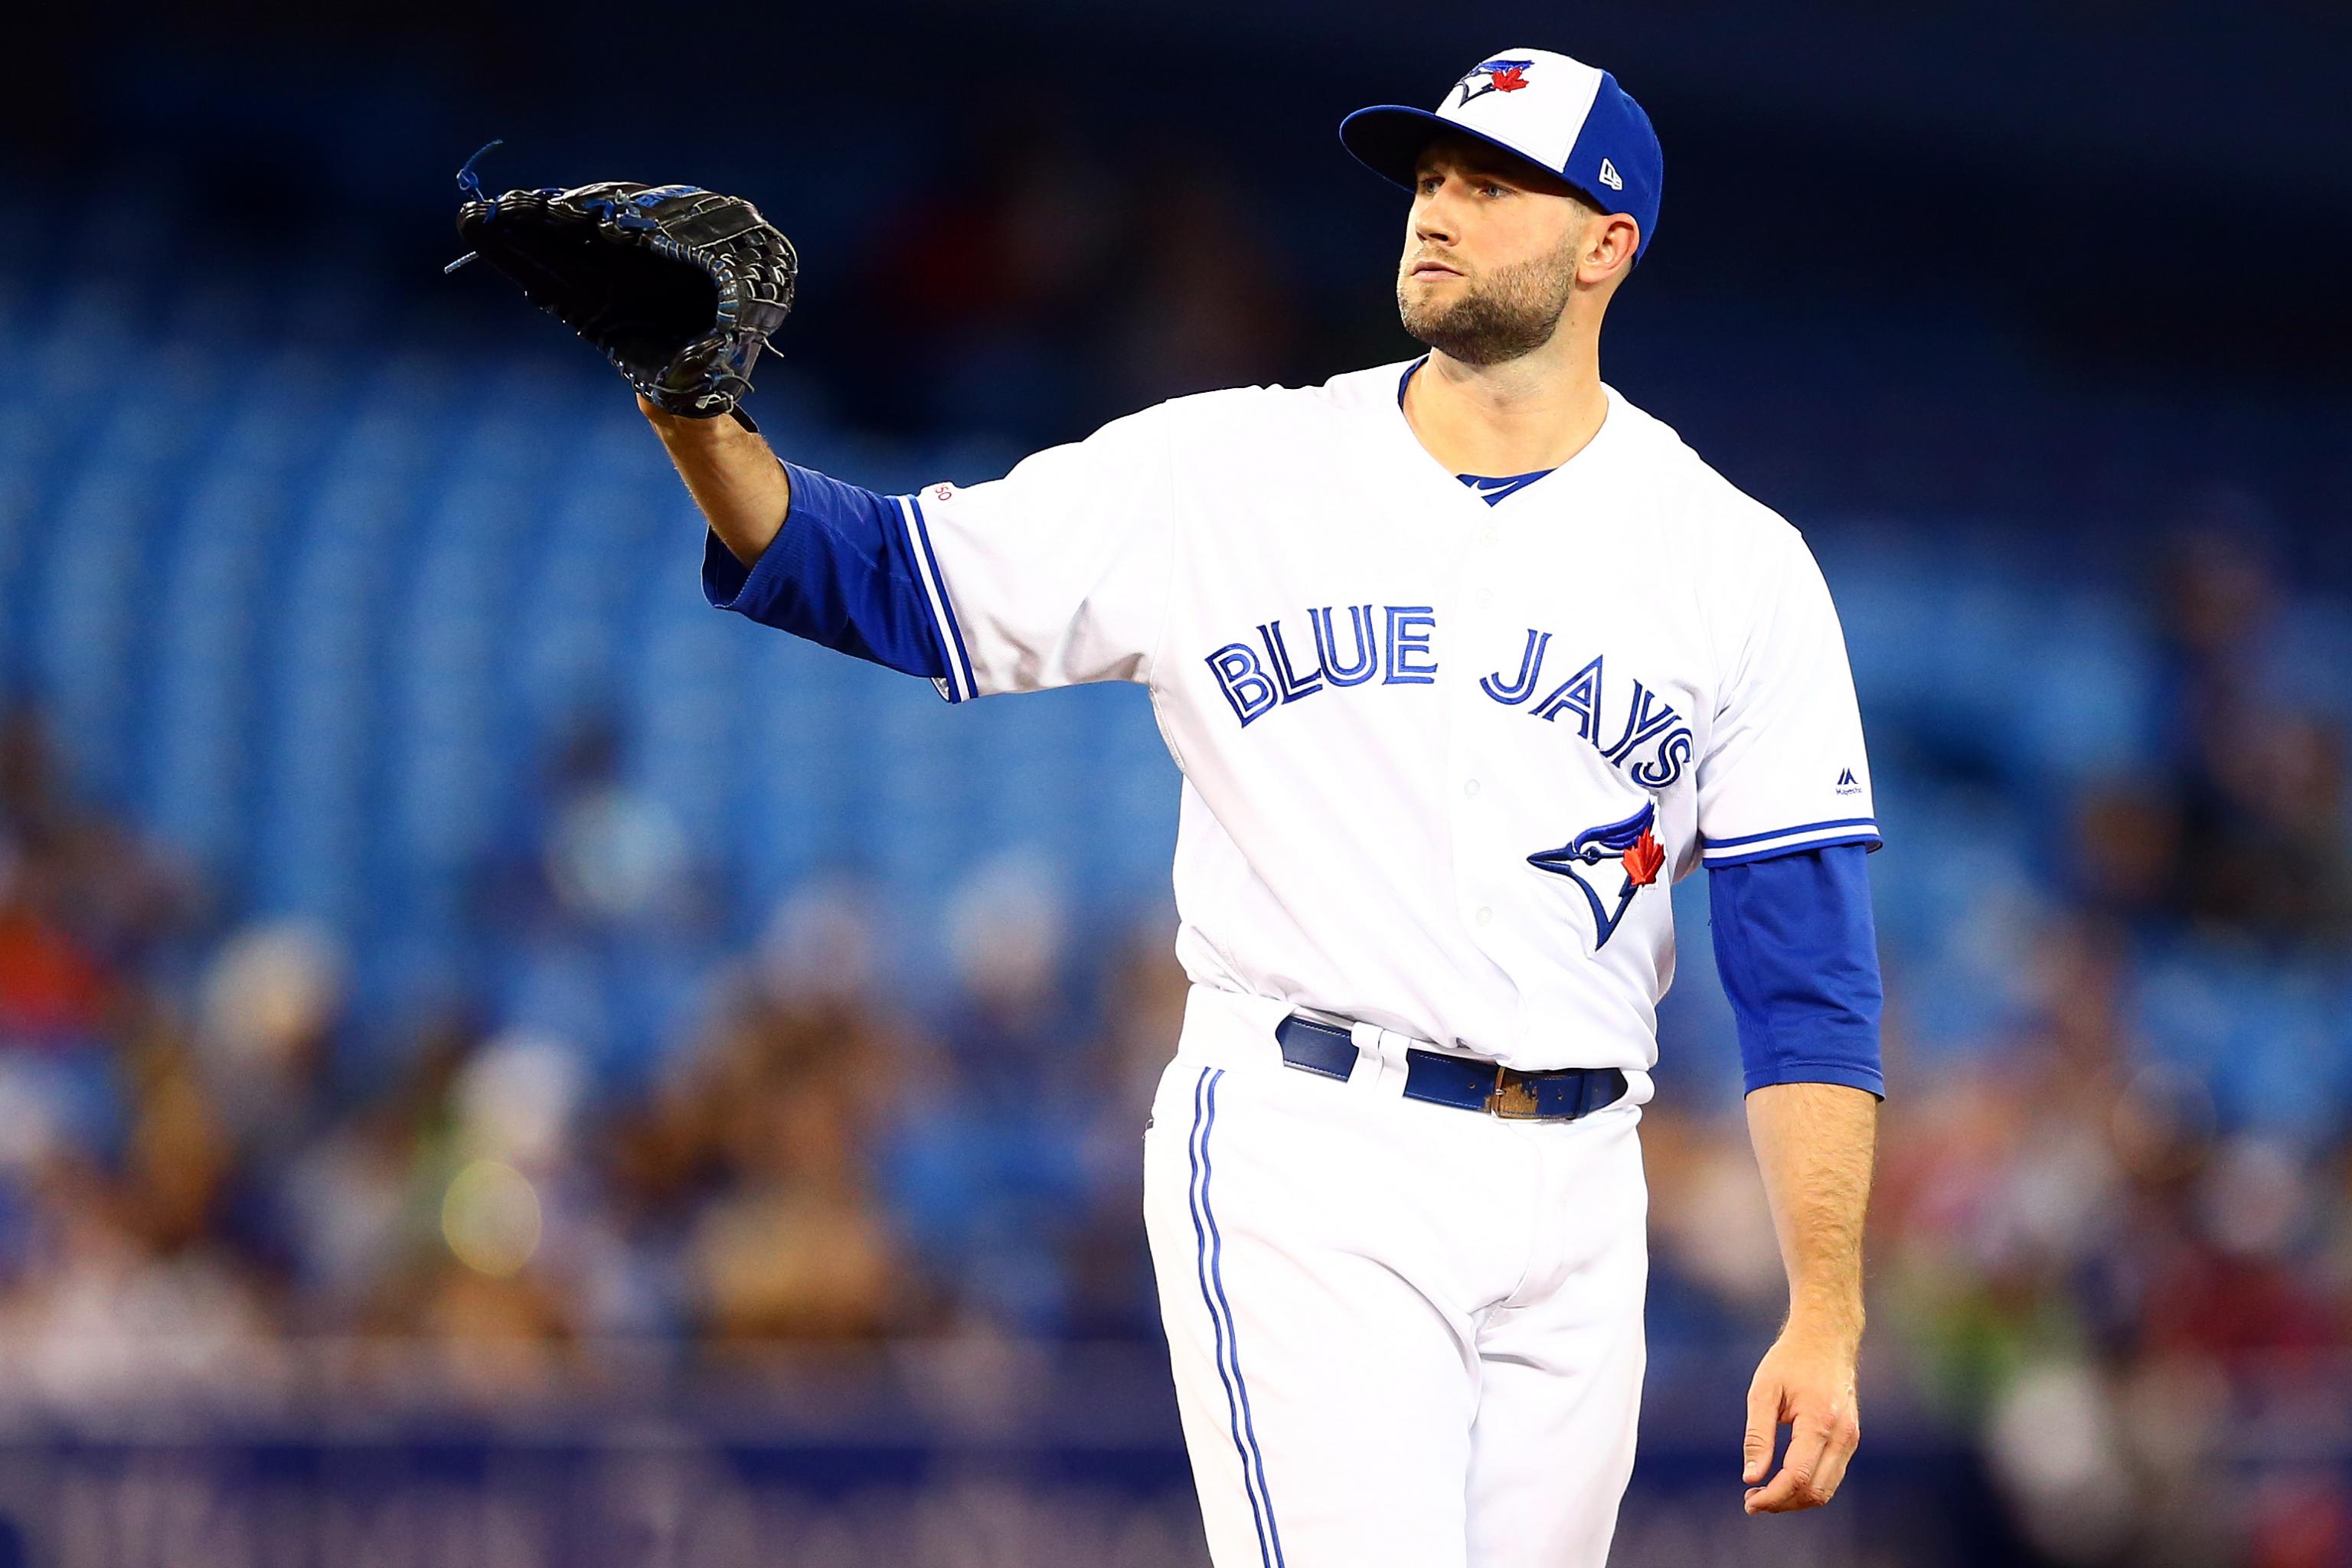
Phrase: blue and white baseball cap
[1560,113]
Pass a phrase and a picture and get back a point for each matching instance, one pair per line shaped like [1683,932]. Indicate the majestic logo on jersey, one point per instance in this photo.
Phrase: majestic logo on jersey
[1632,844]
[1653,745]
[1501,75]
[1847,783]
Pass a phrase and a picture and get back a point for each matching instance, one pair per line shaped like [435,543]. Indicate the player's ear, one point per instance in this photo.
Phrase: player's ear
[1610,242]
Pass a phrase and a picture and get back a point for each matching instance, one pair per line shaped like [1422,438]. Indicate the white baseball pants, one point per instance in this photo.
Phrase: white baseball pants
[1404,1335]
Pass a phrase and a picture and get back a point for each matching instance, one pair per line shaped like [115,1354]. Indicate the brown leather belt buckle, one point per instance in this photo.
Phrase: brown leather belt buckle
[1512,1097]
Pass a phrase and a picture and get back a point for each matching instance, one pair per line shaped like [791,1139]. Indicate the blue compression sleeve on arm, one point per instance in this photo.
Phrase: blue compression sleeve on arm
[840,573]
[1799,958]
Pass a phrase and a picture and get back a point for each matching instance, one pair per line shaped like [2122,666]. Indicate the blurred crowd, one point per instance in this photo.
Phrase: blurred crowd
[2128,1268]
[197,1151]
[2085,1249]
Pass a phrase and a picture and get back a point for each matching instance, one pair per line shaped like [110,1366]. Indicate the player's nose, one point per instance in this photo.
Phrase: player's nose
[1435,218]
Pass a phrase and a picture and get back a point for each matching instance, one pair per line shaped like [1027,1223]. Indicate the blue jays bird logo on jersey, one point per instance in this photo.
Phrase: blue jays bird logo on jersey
[1501,76]
[1632,844]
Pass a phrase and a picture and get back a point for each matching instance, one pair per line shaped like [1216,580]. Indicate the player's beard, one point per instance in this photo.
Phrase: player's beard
[1513,310]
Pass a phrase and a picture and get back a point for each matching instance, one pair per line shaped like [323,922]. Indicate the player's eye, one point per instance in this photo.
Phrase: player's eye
[1489,188]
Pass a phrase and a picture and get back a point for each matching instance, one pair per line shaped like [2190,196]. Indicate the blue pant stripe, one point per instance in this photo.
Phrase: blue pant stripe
[1228,1335]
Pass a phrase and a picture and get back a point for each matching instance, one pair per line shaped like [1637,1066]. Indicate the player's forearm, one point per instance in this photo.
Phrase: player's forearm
[733,477]
[1815,1144]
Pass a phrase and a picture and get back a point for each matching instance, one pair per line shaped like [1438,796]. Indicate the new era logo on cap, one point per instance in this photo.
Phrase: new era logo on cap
[1569,117]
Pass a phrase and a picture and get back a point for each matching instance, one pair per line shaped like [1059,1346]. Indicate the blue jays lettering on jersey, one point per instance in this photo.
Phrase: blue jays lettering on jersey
[1398,653]
[1416,730]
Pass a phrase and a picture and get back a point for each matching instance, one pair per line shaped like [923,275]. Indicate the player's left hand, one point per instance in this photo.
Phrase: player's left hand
[1806,1383]
[679,287]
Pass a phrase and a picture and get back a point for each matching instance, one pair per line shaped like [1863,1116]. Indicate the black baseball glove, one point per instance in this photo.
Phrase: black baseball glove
[678,286]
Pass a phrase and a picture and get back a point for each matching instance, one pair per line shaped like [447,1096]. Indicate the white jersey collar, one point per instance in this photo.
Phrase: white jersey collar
[1373,393]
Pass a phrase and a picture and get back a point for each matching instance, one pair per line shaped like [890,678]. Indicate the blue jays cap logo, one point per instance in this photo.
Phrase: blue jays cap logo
[1632,844]
[1501,75]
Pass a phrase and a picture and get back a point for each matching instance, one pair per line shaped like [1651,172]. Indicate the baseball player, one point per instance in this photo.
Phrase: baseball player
[1465,660]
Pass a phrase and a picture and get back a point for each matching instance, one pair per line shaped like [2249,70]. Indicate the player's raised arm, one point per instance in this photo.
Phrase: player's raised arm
[743,491]
[1055,574]
[807,554]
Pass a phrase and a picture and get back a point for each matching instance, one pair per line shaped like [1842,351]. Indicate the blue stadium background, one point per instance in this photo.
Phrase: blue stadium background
[501,1063]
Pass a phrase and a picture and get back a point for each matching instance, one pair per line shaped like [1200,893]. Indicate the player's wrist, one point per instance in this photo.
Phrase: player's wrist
[1833,1321]
[687,430]
[666,422]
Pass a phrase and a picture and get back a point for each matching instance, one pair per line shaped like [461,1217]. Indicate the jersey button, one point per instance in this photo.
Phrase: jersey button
[1471,787]
[1486,916]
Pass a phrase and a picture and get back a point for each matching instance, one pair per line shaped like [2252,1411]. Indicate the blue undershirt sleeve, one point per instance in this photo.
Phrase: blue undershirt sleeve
[839,572]
[1799,957]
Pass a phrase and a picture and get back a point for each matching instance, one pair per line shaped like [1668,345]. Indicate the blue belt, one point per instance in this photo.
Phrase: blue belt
[1465,1083]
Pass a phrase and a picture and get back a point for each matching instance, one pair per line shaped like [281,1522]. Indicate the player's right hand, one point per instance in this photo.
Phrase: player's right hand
[1805,1382]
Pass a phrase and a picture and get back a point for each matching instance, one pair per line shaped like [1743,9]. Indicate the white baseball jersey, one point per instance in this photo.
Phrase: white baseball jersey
[1436,754]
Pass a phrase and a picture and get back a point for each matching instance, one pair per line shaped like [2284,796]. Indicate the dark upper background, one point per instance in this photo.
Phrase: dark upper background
[2021,209]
